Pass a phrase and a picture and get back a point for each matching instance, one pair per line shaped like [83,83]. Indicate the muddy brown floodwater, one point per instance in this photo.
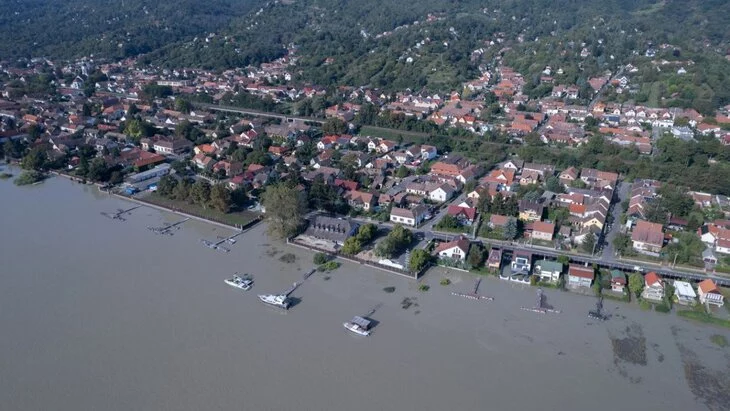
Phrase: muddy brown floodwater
[98,314]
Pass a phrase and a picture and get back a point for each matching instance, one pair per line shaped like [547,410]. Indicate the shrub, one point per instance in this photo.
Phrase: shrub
[719,340]
[320,258]
[424,287]
[329,266]
[445,281]
[662,308]
[29,177]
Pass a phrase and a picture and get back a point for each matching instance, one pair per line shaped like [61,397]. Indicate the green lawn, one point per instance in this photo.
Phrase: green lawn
[232,218]
[703,317]
[392,134]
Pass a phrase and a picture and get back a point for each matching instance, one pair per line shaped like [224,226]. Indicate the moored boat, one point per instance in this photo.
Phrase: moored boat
[358,325]
[243,283]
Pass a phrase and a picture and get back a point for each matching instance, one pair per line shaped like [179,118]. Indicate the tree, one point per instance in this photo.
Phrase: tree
[200,192]
[397,239]
[334,126]
[588,243]
[284,209]
[477,255]
[366,233]
[351,246]
[181,191]
[98,171]
[402,172]
[449,222]
[553,184]
[220,198]
[636,283]
[35,159]
[166,186]
[419,259]
[116,177]
[183,105]
[564,260]
[622,243]
[510,229]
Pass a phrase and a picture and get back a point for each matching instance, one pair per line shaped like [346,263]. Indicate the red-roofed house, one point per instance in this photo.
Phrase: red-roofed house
[653,287]
[456,249]
[360,200]
[647,238]
[580,276]
[709,293]
[465,215]
[543,231]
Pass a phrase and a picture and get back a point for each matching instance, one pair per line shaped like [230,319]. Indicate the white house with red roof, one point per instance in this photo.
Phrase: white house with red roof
[465,215]
[456,249]
[709,293]
[653,287]
[580,276]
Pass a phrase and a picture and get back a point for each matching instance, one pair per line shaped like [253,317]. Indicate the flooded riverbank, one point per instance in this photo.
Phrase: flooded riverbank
[103,314]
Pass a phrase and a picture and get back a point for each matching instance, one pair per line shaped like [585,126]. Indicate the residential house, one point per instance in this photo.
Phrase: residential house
[494,261]
[410,217]
[618,281]
[331,229]
[521,263]
[544,170]
[723,246]
[580,276]
[543,231]
[568,175]
[514,165]
[456,250]
[231,168]
[684,292]
[653,287]
[465,215]
[441,193]
[709,293]
[498,221]
[530,210]
[172,145]
[205,149]
[428,152]
[599,179]
[548,270]
[203,162]
[647,237]
[450,166]
[360,200]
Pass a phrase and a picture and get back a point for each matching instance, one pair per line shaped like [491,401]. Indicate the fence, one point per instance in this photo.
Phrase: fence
[358,260]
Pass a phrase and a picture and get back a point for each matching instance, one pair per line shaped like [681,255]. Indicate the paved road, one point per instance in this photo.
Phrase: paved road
[623,192]
[428,234]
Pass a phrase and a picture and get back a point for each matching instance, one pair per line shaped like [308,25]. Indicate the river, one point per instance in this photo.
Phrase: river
[98,314]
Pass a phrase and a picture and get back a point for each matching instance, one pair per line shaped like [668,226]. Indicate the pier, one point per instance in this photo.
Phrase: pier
[118,215]
[474,294]
[541,307]
[167,228]
[216,245]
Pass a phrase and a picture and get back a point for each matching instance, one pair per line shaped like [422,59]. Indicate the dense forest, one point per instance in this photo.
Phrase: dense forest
[71,29]
[394,45]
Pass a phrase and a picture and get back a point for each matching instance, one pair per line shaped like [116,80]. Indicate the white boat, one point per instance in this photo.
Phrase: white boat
[358,325]
[242,283]
[277,300]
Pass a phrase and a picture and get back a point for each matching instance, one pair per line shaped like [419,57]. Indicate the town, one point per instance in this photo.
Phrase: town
[549,191]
